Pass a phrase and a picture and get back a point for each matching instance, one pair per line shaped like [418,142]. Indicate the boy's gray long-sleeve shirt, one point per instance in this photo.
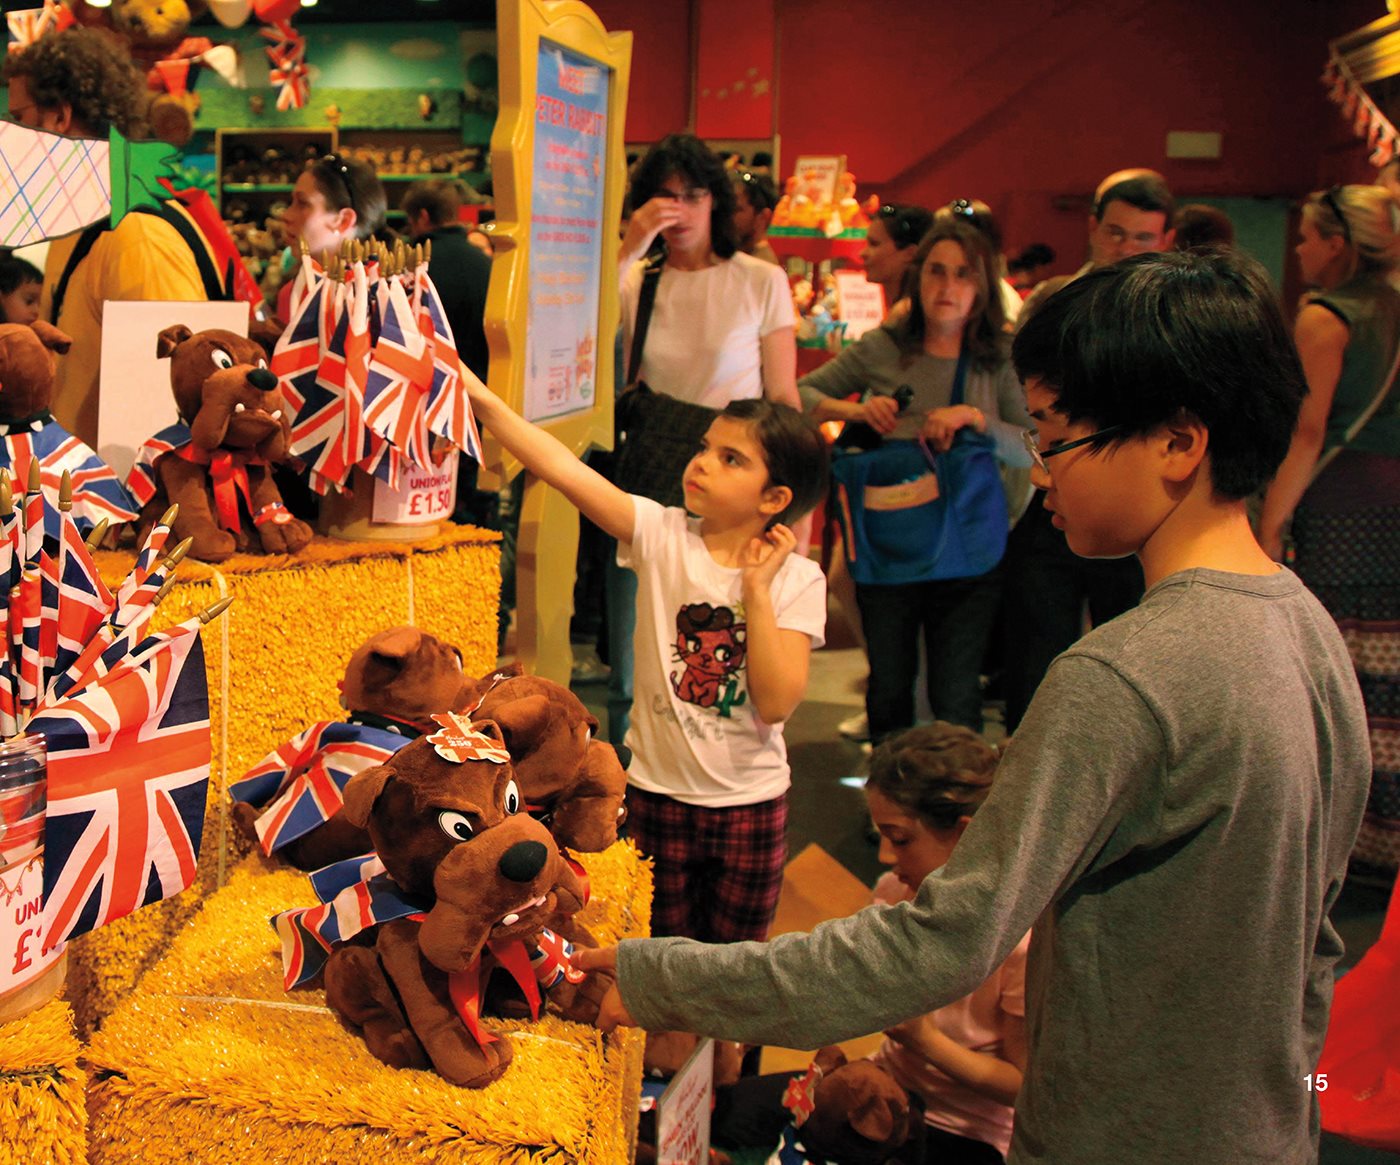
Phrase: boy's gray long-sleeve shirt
[1174,817]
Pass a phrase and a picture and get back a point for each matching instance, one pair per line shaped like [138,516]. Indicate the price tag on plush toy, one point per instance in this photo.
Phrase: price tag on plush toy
[800,1096]
[424,495]
[460,742]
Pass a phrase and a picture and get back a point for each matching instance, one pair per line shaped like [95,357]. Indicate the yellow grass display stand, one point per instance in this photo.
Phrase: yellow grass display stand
[43,1113]
[273,662]
[212,1062]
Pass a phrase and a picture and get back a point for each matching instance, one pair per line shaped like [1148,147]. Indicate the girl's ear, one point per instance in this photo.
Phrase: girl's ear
[345,221]
[776,498]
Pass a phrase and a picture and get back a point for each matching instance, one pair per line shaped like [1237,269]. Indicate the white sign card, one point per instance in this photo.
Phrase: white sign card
[683,1112]
[22,955]
[424,496]
[861,304]
[136,402]
[819,176]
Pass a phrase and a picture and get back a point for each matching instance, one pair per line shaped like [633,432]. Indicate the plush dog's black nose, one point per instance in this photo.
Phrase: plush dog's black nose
[523,860]
[262,380]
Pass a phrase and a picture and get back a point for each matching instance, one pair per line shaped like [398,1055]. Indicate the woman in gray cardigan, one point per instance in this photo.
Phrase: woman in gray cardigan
[955,313]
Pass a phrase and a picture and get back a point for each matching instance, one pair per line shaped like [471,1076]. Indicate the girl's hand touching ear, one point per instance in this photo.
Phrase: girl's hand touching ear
[764,556]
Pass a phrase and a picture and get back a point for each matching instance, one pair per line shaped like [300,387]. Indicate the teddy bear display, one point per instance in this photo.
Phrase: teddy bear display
[29,432]
[289,802]
[215,462]
[850,1113]
[450,917]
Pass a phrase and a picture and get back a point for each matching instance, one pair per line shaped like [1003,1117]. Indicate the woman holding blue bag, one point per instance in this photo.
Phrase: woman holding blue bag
[923,514]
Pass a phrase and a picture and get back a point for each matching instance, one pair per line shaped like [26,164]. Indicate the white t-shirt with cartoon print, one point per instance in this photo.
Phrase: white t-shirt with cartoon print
[694,733]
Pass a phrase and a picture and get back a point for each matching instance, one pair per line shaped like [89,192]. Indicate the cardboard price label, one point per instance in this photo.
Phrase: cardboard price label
[22,954]
[424,496]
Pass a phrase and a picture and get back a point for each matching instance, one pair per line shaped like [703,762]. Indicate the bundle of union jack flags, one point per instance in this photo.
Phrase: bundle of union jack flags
[369,366]
[124,713]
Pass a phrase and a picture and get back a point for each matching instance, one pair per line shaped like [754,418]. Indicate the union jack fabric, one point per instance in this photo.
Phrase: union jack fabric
[28,24]
[400,370]
[449,412]
[128,771]
[97,491]
[300,785]
[141,482]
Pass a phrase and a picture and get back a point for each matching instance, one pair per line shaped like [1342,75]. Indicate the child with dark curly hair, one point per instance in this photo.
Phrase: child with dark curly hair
[76,82]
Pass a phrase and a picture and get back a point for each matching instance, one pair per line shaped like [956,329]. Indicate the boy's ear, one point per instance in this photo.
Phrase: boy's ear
[1186,442]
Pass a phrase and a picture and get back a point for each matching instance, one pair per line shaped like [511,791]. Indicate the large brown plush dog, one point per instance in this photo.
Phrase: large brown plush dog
[216,463]
[446,817]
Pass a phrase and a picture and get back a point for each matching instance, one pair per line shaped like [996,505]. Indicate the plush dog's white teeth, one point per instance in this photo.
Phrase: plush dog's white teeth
[277,416]
[510,920]
[240,408]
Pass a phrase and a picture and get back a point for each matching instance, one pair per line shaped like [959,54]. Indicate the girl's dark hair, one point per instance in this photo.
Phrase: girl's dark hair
[905,225]
[1155,338]
[693,160]
[937,772]
[348,182]
[983,334]
[16,272]
[792,446]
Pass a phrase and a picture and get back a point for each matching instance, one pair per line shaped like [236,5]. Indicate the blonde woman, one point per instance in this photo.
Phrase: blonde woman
[1340,483]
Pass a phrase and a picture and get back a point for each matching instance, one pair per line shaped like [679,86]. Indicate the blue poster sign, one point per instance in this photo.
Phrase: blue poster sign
[566,232]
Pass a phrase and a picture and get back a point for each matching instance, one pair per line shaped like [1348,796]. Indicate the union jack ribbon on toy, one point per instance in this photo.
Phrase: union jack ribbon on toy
[29,24]
[97,491]
[800,1096]
[552,960]
[128,770]
[300,785]
[459,741]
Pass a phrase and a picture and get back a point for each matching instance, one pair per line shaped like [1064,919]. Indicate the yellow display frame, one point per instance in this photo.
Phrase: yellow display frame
[548,539]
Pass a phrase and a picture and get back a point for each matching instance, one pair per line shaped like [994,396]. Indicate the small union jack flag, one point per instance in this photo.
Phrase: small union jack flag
[449,412]
[128,770]
[301,784]
[400,371]
[141,482]
[97,491]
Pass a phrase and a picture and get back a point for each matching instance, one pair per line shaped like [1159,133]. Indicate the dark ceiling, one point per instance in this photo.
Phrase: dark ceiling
[400,11]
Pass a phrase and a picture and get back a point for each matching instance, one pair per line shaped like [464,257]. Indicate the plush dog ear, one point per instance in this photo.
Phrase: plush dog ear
[53,339]
[830,1058]
[170,339]
[873,1119]
[362,791]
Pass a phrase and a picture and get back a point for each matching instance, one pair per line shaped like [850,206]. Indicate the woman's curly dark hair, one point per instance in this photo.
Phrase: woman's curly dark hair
[937,772]
[85,70]
[697,164]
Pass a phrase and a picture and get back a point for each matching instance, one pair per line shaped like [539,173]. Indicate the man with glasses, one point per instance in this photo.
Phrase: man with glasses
[77,83]
[1048,588]
[755,197]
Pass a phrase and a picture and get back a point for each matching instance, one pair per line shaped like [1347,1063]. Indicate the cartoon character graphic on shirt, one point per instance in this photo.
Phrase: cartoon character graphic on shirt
[710,645]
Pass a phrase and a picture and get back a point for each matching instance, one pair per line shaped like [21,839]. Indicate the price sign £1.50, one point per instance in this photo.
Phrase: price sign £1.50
[424,495]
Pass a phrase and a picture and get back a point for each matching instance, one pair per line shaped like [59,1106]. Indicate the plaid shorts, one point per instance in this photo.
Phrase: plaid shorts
[718,871]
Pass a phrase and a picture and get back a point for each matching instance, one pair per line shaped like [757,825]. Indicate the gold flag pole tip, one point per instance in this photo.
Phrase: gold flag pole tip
[97,533]
[176,556]
[209,614]
[65,492]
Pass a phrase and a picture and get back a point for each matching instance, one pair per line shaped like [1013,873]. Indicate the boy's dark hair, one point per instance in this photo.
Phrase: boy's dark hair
[983,334]
[1144,193]
[85,70]
[1150,339]
[440,197]
[905,225]
[1198,225]
[16,272]
[686,155]
[758,189]
[348,182]
[792,446]
[937,772]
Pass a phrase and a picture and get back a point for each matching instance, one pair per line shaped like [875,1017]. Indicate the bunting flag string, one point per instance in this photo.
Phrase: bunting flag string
[1367,120]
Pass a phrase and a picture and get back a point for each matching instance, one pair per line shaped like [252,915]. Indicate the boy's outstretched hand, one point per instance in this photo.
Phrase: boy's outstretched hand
[612,1013]
[764,556]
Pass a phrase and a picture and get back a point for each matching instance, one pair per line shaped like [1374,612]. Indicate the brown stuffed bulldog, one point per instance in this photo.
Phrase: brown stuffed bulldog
[851,1113]
[216,461]
[469,880]
[288,803]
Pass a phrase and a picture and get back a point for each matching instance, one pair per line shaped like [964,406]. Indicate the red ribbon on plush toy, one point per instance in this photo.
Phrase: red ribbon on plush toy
[550,961]
[229,473]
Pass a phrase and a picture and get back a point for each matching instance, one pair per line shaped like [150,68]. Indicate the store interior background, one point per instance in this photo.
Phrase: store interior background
[1025,104]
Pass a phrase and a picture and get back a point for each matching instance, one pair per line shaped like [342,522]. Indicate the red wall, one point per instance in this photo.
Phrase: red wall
[1028,103]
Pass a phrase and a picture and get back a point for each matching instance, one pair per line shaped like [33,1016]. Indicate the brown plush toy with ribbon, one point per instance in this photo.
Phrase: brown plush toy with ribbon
[468,881]
[216,462]
[851,1112]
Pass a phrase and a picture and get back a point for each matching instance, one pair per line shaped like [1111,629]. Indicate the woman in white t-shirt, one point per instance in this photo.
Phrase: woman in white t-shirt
[721,329]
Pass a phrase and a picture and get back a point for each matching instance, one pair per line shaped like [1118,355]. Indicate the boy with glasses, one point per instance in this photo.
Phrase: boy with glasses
[1175,815]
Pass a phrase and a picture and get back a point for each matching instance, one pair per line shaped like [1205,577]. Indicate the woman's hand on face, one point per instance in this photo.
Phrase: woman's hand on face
[648,221]
[942,425]
[880,413]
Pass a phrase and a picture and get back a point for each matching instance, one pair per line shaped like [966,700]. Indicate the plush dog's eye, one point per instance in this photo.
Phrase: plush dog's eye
[221,358]
[455,825]
[512,798]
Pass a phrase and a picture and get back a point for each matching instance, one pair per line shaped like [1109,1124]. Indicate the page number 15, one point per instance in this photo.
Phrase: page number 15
[1317,1083]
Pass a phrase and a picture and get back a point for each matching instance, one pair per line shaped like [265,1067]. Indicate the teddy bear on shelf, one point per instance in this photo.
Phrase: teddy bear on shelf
[850,1113]
[450,917]
[29,432]
[216,461]
[289,802]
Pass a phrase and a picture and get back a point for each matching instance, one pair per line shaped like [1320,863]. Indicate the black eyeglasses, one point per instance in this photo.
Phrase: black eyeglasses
[1038,455]
[336,164]
[1330,198]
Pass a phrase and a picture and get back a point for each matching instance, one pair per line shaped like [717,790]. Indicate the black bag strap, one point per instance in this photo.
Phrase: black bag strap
[215,289]
[645,302]
[80,251]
